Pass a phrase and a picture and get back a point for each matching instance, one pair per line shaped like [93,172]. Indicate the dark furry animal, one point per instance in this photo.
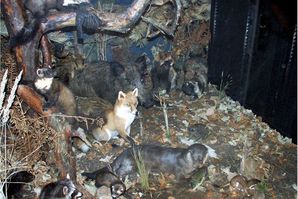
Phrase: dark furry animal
[195,77]
[161,72]
[59,49]
[61,189]
[107,178]
[191,89]
[86,20]
[15,184]
[178,161]
[106,79]
[160,75]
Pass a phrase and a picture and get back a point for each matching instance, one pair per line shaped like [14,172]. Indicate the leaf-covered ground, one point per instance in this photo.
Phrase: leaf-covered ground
[244,144]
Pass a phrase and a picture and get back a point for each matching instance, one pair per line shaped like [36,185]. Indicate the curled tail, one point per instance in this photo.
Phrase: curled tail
[26,34]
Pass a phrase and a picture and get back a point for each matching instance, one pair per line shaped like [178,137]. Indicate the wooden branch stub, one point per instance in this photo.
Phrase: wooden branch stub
[14,15]
[115,22]
[46,51]
[59,21]
[26,55]
[34,100]
[59,164]
[31,98]
[123,22]
[71,164]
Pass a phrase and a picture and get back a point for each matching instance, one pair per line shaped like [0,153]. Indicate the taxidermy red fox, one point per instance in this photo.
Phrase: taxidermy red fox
[119,119]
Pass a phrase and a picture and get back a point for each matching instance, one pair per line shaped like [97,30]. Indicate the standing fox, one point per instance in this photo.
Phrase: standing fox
[119,118]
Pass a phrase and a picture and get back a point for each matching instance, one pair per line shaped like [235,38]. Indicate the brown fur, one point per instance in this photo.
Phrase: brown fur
[62,97]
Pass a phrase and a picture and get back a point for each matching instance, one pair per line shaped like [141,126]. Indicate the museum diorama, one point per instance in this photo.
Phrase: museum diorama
[166,99]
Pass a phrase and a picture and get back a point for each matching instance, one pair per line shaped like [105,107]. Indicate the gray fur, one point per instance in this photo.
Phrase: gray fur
[178,161]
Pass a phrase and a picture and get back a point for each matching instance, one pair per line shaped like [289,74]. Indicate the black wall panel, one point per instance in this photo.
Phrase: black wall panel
[254,44]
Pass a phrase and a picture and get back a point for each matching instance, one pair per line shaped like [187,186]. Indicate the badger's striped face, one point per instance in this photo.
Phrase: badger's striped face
[117,190]
[69,2]
[69,189]
[75,194]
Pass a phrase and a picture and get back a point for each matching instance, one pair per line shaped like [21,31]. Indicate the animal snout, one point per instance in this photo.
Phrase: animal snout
[147,103]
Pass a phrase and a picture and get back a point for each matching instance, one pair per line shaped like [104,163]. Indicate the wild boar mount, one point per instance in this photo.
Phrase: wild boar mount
[66,16]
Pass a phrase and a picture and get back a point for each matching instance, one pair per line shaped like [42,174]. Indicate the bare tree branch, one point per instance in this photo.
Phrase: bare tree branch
[46,51]
[113,22]
[167,31]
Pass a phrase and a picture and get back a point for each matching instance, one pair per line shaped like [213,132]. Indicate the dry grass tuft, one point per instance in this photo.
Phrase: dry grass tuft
[142,170]
[28,134]
[26,138]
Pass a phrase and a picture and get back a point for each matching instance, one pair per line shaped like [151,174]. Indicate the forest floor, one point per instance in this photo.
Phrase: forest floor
[243,142]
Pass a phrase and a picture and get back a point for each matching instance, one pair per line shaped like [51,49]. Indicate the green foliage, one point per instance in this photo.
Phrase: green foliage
[262,186]
[144,174]
[137,35]
[224,85]
[198,178]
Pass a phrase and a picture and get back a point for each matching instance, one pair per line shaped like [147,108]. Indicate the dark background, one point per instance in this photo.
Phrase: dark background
[254,44]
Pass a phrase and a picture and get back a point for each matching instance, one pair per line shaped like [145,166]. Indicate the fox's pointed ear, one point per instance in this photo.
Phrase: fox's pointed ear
[135,92]
[121,95]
